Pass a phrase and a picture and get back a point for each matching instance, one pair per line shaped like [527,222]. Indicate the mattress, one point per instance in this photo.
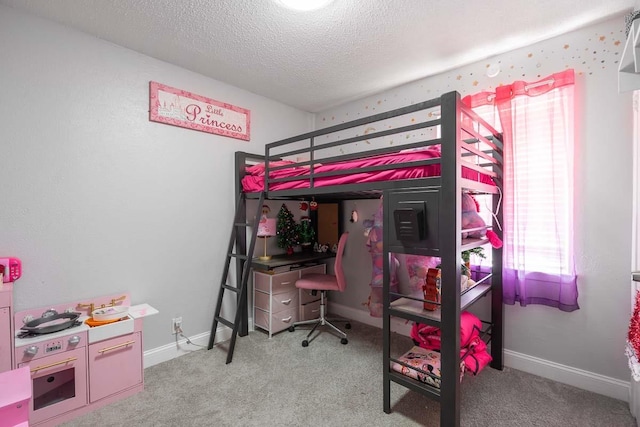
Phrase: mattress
[253,181]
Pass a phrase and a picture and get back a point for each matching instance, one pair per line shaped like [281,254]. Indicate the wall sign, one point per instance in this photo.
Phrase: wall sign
[188,110]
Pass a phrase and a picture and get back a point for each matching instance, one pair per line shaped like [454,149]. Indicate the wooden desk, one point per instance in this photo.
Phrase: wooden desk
[284,260]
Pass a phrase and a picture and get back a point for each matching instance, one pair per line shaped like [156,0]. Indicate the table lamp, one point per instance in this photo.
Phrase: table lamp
[266,229]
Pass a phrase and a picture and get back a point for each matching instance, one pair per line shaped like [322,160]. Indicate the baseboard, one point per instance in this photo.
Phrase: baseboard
[579,378]
[575,377]
[181,347]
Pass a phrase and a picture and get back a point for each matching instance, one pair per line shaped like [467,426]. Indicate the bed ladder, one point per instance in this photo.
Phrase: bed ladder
[243,267]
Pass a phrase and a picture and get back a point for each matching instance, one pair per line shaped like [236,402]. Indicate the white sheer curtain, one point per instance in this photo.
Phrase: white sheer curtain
[537,121]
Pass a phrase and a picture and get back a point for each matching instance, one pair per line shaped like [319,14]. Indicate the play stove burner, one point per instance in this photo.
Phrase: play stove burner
[51,321]
[35,333]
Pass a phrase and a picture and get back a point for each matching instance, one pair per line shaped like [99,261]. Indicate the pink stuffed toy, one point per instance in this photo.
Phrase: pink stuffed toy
[471,219]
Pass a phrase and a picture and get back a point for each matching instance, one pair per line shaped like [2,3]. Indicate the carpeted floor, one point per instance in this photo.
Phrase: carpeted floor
[278,382]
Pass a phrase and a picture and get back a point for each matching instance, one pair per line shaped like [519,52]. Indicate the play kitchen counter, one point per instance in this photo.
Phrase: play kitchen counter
[80,368]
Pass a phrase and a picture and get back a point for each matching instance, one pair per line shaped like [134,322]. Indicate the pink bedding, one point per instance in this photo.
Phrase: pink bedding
[254,180]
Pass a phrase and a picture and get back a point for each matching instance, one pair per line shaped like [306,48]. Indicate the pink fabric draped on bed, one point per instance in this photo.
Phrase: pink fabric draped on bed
[254,180]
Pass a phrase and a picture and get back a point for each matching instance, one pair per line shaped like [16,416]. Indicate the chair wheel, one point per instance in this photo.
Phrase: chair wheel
[305,343]
[344,341]
[292,328]
[347,326]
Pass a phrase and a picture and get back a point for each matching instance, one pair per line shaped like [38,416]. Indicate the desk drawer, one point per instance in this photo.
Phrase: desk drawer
[279,302]
[310,311]
[280,282]
[316,269]
[279,321]
[306,297]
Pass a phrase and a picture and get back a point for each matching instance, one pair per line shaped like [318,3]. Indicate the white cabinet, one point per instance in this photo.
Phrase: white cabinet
[277,303]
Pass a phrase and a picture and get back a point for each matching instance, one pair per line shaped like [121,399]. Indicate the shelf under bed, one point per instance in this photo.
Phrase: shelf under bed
[413,309]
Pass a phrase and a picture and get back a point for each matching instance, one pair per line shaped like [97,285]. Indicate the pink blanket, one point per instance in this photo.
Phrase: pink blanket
[254,180]
[473,350]
[429,336]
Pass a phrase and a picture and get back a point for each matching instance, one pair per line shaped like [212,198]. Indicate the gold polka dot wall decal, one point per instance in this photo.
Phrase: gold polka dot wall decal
[566,46]
[602,38]
[617,42]
[459,77]
[379,102]
[475,83]
[530,55]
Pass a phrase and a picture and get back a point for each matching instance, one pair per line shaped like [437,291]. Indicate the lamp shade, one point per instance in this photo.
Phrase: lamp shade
[267,227]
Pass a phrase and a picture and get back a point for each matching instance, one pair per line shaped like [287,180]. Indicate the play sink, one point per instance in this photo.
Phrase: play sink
[121,327]
[110,330]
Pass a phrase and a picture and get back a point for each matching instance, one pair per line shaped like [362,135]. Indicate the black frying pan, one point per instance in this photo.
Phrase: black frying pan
[49,324]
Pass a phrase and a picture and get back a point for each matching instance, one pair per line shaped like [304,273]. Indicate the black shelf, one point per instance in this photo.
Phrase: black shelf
[414,385]
[413,309]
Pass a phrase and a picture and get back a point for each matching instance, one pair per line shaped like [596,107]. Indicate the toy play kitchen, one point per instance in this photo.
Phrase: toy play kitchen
[80,355]
[10,271]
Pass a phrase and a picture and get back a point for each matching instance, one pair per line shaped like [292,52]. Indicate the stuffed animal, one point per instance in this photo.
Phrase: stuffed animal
[471,219]
[373,232]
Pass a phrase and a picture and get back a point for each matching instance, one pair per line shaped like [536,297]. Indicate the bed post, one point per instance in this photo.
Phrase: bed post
[241,242]
[497,306]
[450,242]
[386,300]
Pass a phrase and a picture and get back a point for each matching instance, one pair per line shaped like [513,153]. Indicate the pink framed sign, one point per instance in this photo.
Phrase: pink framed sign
[185,109]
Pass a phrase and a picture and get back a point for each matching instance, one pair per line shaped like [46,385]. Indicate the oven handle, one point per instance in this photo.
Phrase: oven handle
[124,344]
[62,362]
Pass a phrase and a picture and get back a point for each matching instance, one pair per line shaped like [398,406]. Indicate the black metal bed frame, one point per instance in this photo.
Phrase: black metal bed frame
[465,140]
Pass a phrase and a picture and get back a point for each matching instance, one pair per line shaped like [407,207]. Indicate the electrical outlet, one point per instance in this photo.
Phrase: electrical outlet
[176,325]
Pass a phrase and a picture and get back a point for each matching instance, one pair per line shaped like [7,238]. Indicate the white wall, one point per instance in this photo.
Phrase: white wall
[592,338]
[95,198]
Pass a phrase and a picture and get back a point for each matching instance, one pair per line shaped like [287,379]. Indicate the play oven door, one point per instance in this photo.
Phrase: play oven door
[59,384]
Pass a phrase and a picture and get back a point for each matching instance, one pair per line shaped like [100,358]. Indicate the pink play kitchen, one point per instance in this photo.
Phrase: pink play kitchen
[80,355]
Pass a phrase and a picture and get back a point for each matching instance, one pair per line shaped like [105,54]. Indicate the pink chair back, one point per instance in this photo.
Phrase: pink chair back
[337,267]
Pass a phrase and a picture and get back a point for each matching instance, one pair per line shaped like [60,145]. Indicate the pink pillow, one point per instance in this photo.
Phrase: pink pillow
[260,167]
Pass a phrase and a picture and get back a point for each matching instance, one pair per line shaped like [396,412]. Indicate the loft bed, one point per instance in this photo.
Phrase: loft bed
[420,158]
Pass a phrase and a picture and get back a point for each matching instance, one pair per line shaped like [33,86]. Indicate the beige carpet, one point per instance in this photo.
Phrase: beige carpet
[277,382]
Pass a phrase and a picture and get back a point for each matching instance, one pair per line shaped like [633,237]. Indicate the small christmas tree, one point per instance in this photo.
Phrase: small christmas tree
[286,228]
[306,233]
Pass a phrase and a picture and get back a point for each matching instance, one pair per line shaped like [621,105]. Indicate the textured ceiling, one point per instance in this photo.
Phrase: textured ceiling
[316,60]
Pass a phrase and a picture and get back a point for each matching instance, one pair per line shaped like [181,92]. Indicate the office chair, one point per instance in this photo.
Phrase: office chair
[324,283]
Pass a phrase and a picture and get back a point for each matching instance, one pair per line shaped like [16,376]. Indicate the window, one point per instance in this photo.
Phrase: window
[537,122]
